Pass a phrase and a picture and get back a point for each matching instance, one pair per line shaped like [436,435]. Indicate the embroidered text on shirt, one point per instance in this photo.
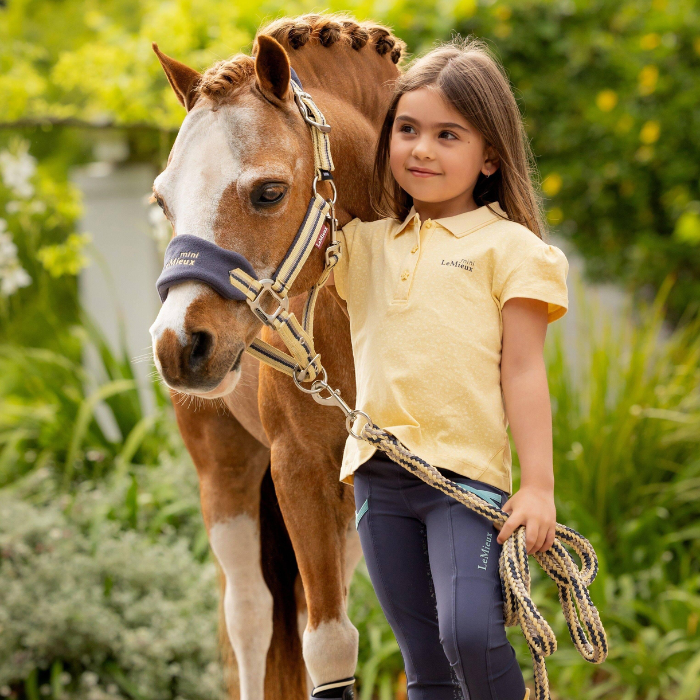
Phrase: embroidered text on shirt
[463,263]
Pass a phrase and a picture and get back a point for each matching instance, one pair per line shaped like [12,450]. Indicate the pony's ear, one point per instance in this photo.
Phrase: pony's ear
[182,78]
[272,69]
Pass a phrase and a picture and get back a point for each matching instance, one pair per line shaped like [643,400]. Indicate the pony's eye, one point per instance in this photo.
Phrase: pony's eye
[268,194]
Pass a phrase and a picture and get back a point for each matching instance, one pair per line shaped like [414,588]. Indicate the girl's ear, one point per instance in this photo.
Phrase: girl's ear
[491,161]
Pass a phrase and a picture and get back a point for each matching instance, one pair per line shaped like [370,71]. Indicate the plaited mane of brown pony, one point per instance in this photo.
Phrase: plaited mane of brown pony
[280,522]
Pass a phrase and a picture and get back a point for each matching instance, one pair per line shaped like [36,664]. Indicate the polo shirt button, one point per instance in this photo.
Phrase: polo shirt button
[404,275]
[428,224]
[414,249]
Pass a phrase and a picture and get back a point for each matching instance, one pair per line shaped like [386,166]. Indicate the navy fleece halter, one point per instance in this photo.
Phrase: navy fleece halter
[191,257]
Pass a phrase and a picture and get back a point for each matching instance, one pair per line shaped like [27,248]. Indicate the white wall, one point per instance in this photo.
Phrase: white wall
[119,285]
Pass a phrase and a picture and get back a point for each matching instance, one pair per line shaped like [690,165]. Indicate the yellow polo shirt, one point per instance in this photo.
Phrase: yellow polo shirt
[424,301]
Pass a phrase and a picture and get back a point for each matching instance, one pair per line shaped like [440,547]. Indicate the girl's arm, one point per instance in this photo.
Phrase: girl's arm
[526,395]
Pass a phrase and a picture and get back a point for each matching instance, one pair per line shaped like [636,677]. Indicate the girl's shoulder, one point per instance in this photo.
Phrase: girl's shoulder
[515,247]
[511,238]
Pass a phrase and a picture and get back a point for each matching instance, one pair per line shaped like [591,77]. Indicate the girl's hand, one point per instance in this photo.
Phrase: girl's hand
[534,508]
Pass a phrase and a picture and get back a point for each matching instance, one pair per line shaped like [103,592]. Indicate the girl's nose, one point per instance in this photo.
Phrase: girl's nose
[422,149]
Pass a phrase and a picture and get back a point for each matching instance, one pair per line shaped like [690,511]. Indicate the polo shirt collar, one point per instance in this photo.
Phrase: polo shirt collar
[459,225]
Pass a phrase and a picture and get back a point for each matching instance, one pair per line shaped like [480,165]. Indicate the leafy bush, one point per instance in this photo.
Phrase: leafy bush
[94,611]
[609,90]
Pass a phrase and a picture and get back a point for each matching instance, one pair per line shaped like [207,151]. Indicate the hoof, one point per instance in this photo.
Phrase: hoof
[336,690]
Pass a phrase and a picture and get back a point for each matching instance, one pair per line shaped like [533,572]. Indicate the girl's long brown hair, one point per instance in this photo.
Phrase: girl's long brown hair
[473,81]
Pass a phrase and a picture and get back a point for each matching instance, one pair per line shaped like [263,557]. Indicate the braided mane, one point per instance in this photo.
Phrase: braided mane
[329,29]
[222,79]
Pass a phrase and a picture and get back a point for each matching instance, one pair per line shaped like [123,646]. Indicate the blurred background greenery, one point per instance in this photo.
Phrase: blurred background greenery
[107,587]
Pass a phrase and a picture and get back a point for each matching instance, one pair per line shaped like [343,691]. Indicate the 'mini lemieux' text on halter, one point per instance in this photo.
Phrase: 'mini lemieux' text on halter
[231,275]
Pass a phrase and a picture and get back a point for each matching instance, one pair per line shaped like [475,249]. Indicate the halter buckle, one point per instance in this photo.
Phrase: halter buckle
[303,108]
[264,316]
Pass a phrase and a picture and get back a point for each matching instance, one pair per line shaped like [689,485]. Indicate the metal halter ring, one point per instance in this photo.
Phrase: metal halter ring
[350,419]
[312,390]
[283,302]
[303,372]
[332,184]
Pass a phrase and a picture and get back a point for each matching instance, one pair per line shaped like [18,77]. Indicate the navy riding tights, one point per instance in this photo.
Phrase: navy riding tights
[433,563]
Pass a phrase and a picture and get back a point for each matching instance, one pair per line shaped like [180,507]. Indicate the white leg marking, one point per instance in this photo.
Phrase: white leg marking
[247,601]
[330,651]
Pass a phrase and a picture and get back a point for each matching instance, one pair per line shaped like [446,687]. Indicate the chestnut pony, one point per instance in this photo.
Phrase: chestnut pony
[240,173]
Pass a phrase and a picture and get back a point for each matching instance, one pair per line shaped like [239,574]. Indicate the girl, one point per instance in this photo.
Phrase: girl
[449,298]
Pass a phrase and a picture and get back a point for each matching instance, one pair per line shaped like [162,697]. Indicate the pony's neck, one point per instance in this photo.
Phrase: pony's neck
[353,90]
[360,78]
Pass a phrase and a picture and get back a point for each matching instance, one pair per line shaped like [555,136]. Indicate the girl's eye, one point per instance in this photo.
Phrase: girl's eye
[406,129]
[448,135]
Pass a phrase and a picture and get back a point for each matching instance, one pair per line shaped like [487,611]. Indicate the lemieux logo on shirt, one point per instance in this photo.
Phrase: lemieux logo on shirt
[465,264]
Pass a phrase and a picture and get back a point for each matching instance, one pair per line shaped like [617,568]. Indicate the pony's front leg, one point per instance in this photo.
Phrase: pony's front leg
[231,465]
[317,510]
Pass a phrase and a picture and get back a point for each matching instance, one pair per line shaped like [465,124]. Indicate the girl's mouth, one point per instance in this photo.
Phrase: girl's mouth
[422,172]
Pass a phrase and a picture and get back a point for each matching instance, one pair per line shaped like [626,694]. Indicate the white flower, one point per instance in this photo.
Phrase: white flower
[17,169]
[12,274]
[8,249]
[11,280]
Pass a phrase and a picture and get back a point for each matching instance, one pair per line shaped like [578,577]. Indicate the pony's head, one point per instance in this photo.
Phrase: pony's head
[239,175]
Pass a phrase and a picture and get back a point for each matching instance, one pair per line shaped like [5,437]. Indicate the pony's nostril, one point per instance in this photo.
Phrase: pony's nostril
[201,347]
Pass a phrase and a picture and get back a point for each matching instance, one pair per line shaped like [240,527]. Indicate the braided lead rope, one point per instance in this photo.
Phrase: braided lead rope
[514,571]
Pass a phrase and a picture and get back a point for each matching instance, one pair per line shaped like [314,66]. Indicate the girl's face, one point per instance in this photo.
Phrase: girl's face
[436,155]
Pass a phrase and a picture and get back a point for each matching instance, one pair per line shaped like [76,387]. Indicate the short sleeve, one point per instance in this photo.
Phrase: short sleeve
[541,275]
[346,236]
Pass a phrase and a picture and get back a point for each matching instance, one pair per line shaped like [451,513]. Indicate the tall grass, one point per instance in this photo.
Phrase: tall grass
[49,417]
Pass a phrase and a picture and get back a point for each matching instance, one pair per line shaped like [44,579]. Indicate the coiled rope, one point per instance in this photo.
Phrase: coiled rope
[557,563]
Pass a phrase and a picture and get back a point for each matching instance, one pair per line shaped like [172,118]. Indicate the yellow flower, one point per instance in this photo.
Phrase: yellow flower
[606,100]
[555,216]
[649,41]
[552,184]
[687,228]
[650,132]
[648,78]
[503,13]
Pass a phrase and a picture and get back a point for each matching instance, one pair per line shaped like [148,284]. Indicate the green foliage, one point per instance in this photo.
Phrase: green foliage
[92,611]
[38,213]
[609,90]
[65,258]
[48,407]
